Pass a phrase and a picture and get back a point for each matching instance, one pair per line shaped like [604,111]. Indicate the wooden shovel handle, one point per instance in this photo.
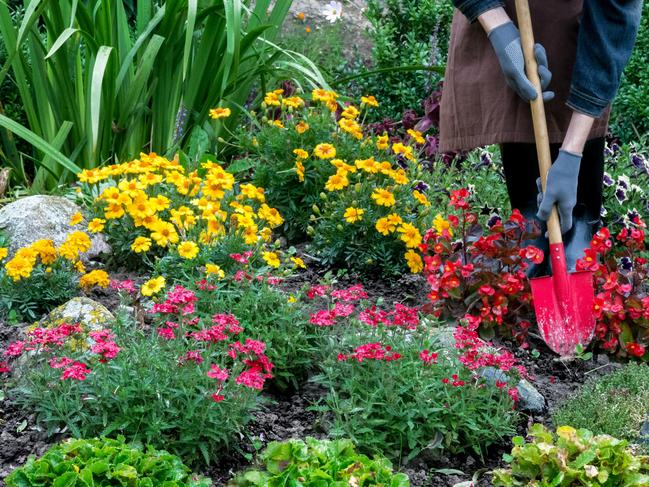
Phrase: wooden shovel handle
[538,110]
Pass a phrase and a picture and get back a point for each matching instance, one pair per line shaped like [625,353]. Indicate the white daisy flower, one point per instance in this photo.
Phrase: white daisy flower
[333,11]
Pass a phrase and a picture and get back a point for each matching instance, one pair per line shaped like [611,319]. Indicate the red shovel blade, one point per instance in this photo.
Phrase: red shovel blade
[564,305]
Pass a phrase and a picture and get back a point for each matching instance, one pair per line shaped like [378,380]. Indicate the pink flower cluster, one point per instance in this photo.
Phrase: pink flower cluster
[48,339]
[371,351]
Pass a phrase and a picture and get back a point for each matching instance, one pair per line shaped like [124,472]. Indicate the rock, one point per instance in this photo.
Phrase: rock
[90,314]
[443,335]
[44,217]
[531,400]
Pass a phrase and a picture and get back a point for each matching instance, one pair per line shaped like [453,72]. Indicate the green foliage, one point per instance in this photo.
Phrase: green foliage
[104,462]
[148,393]
[406,33]
[630,116]
[319,462]
[616,404]
[571,458]
[97,86]
[387,398]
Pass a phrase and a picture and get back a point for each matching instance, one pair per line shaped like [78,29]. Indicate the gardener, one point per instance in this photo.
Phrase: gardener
[586,45]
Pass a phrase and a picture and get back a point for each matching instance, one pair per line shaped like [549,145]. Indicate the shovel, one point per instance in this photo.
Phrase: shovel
[563,302]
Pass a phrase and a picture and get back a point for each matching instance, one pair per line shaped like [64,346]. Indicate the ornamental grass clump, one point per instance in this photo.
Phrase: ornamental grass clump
[570,458]
[393,389]
[104,461]
[153,207]
[362,197]
[319,462]
[188,382]
[477,272]
[41,276]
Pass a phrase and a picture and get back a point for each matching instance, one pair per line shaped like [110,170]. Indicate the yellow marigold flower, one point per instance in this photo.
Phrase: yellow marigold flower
[320,94]
[332,106]
[417,136]
[350,126]
[291,299]
[183,217]
[80,268]
[152,286]
[213,269]
[76,219]
[382,142]
[94,278]
[301,153]
[271,258]
[350,112]
[415,263]
[253,192]
[90,176]
[343,167]
[383,197]
[272,99]
[45,250]
[113,211]
[250,236]
[20,267]
[80,240]
[299,170]
[293,102]
[271,215]
[353,215]
[130,185]
[96,225]
[367,165]
[188,250]
[140,208]
[299,263]
[440,225]
[399,176]
[150,179]
[164,233]
[220,112]
[369,100]
[277,123]
[160,202]
[410,235]
[404,150]
[141,244]
[421,198]
[300,16]
[336,182]
[266,234]
[324,151]
[4,251]
[301,127]
[388,224]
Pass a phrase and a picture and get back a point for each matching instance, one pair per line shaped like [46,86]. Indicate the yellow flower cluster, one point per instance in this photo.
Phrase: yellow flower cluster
[178,209]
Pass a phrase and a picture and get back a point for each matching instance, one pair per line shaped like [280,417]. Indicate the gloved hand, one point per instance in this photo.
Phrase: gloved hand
[561,189]
[506,41]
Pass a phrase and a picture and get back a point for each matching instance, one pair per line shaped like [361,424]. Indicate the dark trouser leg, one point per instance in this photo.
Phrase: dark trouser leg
[521,169]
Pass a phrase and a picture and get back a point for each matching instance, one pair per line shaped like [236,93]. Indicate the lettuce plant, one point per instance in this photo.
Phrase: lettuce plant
[104,462]
[570,458]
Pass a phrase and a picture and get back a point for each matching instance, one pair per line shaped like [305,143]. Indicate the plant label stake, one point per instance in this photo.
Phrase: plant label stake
[563,302]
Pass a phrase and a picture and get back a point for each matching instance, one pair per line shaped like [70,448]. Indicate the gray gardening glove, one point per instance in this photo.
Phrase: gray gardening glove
[561,189]
[506,41]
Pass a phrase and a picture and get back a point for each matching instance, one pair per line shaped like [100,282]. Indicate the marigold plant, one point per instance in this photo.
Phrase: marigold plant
[154,207]
[362,197]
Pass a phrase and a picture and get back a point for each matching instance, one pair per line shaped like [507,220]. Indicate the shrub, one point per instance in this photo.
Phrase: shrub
[616,404]
[104,462]
[393,389]
[41,276]
[406,33]
[569,458]
[476,272]
[187,383]
[322,462]
[630,116]
[153,207]
[343,186]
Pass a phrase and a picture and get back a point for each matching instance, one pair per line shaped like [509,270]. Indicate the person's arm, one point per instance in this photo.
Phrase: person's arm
[472,9]
[606,37]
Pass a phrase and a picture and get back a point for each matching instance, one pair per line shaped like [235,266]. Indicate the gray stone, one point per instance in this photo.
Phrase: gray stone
[531,400]
[44,217]
[88,313]
[443,335]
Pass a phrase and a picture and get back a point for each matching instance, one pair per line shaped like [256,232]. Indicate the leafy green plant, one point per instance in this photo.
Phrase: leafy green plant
[188,383]
[104,462]
[393,389]
[98,86]
[630,115]
[571,458]
[319,462]
[616,404]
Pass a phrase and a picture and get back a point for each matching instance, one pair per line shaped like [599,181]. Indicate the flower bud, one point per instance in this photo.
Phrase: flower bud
[310,231]
[312,218]
[220,139]
[264,119]
[315,209]
[339,227]
[323,196]
[358,187]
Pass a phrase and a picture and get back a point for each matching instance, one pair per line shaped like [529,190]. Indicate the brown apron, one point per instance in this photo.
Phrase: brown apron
[478,108]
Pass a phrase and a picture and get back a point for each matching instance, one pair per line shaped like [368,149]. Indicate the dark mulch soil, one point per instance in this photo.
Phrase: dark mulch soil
[285,417]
